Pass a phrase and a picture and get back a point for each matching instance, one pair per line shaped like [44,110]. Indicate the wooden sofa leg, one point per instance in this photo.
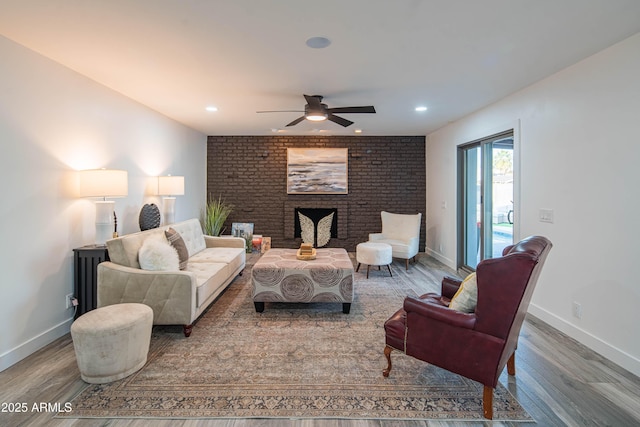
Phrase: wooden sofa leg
[511,364]
[487,402]
[387,354]
[187,329]
[407,264]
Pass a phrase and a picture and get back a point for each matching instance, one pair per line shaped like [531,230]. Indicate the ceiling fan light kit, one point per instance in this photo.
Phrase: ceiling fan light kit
[316,111]
[316,114]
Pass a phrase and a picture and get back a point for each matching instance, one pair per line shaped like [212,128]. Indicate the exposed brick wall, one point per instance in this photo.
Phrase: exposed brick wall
[385,173]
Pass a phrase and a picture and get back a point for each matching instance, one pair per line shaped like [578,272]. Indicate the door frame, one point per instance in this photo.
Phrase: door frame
[484,135]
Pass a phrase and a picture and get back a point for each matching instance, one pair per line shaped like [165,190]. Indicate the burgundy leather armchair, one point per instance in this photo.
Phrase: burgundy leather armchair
[475,345]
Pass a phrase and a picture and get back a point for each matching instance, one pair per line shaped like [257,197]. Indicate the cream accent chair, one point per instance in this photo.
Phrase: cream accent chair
[402,232]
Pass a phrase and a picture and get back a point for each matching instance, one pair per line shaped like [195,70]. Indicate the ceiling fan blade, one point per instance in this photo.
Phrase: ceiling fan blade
[281,111]
[314,101]
[342,110]
[339,120]
[296,121]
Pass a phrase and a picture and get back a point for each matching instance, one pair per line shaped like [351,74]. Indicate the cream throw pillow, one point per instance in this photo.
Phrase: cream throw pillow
[157,254]
[466,298]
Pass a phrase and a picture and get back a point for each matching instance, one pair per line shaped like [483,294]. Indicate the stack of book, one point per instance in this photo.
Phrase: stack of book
[306,252]
[306,249]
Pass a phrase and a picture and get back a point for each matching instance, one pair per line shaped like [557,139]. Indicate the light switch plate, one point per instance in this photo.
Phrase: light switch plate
[546,215]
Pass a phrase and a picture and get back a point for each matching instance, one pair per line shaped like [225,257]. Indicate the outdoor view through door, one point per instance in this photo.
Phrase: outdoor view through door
[485,188]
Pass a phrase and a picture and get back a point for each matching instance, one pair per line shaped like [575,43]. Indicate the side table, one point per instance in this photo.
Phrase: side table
[85,276]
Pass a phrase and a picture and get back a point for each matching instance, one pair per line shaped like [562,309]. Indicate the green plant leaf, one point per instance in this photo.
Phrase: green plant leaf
[214,215]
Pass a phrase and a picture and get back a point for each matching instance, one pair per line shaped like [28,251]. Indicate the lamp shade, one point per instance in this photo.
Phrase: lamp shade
[171,185]
[103,183]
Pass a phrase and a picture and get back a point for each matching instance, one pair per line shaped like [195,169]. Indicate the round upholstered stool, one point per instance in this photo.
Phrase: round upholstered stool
[112,342]
[372,253]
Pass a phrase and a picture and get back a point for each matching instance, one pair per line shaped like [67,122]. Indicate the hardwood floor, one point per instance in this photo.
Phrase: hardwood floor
[558,381]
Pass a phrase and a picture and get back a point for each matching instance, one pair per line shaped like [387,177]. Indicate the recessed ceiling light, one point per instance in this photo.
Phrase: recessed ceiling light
[358,131]
[211,108]
[318,42]
[421,108]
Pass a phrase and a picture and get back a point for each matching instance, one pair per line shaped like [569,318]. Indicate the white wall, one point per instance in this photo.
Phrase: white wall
[54,122]
[579,149]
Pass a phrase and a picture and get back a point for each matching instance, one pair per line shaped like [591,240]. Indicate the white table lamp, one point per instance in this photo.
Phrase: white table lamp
[169,187]
[104,183]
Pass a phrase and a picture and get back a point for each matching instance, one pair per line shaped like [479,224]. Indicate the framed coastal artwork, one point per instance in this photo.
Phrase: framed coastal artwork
[317,170]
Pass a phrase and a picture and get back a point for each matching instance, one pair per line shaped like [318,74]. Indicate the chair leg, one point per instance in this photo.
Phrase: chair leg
[368,266]
[511,364]
[407,264]
[387,354]
[389,268]
[358,267]
[487,402]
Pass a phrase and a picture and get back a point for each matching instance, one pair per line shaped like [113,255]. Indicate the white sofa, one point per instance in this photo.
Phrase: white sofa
[402,232]
[177,297]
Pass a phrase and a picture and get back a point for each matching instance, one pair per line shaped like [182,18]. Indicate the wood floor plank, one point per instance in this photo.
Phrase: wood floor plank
[558,381]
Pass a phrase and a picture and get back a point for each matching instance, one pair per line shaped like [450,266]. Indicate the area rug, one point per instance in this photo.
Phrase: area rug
[291,361]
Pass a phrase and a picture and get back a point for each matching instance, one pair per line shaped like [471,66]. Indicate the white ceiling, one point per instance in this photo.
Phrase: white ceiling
[453,56]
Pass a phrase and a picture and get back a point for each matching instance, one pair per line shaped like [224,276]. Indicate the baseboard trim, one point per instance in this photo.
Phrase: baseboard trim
[612,353]
[437,255]
[16,354]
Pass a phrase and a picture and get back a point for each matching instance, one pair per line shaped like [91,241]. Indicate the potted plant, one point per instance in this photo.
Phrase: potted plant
[214,216]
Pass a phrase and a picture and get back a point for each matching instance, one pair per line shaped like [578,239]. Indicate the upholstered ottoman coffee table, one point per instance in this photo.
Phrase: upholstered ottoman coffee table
[279,276]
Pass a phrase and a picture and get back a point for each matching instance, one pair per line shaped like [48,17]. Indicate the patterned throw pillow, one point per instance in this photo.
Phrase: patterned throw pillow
[176,241]
[466,298]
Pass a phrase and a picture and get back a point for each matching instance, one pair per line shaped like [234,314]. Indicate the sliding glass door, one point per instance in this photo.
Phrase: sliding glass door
[485,188]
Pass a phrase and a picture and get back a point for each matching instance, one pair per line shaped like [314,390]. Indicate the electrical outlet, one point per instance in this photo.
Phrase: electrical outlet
[68,301]
[577,310]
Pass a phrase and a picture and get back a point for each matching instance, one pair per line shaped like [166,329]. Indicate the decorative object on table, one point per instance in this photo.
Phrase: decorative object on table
[244,230]
[115,225]
[214,216]
[317,170]
[149,217]
[257,242]
[306,252]
[104,183]
[169,187]
[266,244]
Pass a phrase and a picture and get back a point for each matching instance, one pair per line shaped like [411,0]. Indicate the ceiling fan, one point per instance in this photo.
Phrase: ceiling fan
[316,111]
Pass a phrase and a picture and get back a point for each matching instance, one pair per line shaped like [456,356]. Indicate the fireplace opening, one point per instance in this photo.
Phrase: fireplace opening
[316,225]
